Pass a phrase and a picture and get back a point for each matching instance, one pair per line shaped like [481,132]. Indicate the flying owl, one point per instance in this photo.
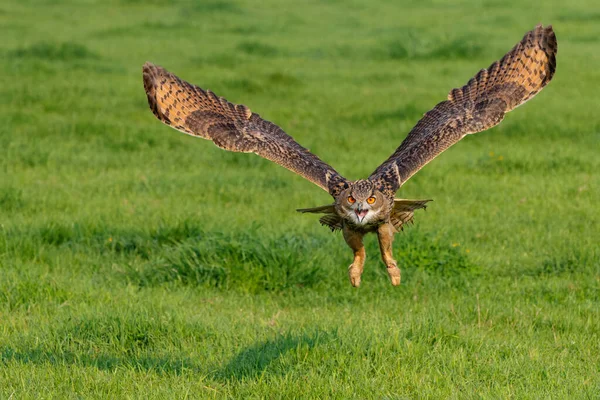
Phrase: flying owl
[365,205]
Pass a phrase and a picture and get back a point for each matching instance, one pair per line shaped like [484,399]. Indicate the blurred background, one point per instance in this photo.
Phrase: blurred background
[137,261]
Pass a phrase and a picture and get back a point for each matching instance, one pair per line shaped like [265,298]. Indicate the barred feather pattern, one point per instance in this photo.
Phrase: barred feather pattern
[479,105]
[233,127]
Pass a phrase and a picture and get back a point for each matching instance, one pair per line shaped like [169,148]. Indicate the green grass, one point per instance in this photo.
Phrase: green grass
[136,262]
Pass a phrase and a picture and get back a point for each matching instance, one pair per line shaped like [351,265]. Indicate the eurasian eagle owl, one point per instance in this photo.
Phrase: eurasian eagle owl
[366,205]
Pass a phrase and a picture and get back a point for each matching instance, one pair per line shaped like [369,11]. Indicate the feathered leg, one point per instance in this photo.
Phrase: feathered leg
[355,241]
[385,234]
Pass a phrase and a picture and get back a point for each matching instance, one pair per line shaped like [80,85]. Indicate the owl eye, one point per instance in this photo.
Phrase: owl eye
[351,200]
[371,200]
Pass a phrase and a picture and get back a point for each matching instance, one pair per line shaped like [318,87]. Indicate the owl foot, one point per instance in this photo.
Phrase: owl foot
[354,273]
[394,273]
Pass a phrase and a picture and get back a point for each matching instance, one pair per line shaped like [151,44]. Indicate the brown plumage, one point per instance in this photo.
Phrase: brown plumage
[476,107]
[369,205]
[232,127]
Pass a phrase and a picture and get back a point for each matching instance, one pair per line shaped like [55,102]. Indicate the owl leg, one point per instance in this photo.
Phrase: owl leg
[355,241]
[385,234]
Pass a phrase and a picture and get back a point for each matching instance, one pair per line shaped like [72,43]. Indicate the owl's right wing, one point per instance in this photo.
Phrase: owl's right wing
[476,107]
[232,127]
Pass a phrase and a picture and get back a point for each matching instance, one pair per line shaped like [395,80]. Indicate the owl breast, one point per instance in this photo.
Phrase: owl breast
[364,228]
[370,223]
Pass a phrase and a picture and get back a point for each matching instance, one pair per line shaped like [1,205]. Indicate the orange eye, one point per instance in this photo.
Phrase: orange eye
[351,200]
[371,200]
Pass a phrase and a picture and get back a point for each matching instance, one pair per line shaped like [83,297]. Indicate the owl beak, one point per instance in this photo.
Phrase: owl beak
[360,212]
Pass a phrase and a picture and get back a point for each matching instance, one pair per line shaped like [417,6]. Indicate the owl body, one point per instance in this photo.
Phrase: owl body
[366,205]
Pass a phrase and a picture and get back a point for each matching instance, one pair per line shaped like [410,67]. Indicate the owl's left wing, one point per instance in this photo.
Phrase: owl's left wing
[232,127]
[477,106]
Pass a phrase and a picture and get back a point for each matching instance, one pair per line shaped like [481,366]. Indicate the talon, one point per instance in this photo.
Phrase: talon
[354,274]
[394,273]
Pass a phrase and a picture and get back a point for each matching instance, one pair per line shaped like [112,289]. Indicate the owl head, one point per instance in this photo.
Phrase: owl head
[361,203]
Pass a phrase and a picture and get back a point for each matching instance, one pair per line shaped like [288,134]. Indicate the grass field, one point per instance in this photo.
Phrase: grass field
[137,262]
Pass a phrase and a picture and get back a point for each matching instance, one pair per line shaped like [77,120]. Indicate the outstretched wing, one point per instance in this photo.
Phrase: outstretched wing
[232,127]
[477,106]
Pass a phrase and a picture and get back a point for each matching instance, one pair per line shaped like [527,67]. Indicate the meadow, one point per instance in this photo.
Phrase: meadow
[138,262]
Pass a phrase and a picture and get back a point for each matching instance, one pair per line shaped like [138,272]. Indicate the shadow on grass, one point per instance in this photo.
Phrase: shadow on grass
[185,254]
[109,362]
[250,362]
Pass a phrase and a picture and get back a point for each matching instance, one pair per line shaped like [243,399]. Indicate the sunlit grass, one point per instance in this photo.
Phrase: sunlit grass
[136,262]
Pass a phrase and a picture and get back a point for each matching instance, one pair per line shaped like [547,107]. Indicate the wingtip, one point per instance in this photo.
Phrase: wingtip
[550,45]
[548,33]
[540,26]
[151,71]
[543,30]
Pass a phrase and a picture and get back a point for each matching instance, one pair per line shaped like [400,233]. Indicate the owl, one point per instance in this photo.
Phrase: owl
[365,205]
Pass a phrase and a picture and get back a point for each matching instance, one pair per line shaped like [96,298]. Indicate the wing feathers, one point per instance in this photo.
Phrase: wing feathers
[232,127]
[332,221]
[475,107]
[404,210]
[328,209]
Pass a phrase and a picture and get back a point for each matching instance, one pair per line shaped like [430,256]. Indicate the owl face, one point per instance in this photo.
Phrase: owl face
[361,203]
